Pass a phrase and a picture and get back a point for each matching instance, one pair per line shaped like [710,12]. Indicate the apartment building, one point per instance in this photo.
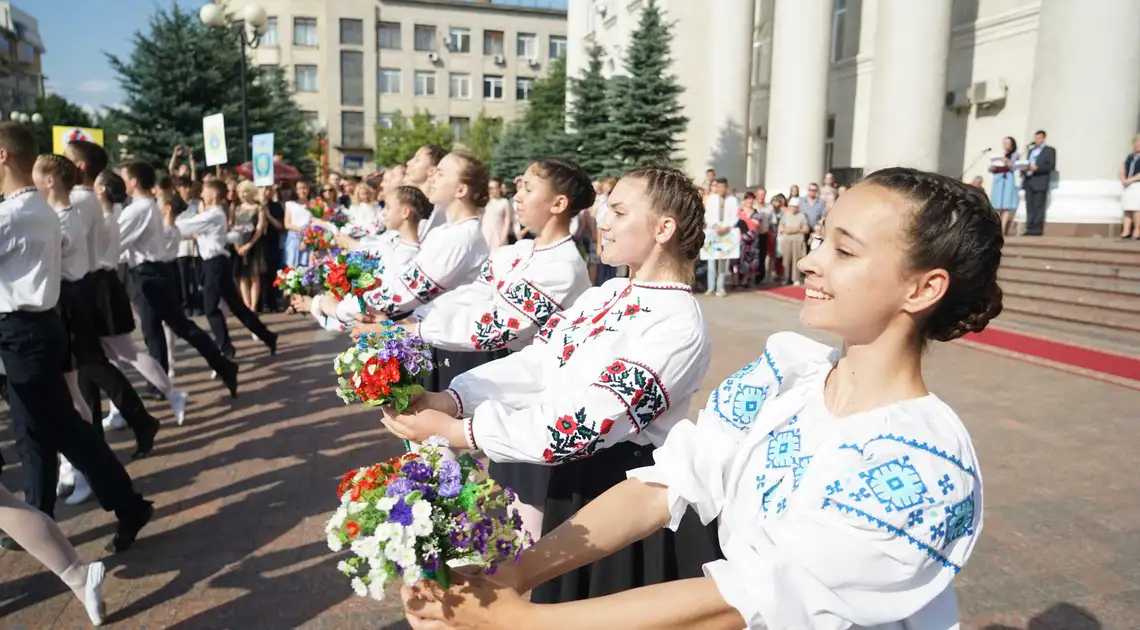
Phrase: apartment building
[21,73]
[355,63]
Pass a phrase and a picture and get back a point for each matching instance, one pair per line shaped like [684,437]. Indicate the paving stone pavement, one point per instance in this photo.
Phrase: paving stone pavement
[242,491]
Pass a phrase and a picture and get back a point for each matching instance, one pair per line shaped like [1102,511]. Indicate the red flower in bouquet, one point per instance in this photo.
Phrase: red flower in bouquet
[316,239]
[376,379]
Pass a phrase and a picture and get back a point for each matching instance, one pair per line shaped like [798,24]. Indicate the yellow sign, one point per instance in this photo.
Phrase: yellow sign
[62,136]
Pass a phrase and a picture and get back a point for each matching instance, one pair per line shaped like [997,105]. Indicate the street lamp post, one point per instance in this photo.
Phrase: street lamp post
[255,23]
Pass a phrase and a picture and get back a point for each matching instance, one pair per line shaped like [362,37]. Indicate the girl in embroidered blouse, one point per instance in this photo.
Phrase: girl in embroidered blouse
[847,494]
[602,385]
[450,255]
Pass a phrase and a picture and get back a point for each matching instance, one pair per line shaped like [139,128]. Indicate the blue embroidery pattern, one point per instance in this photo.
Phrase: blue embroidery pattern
[746,403]
[799,468]
[933,450]
[896,484]
[915,518]
[739,404]
[783,447]
[834,488]
[960,521]
[945,484]
[930,551]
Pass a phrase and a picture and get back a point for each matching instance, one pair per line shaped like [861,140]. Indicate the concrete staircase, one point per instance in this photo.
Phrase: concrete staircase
[1088,282]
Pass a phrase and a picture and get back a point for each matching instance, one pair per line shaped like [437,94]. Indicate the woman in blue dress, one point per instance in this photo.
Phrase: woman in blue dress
[1003,194]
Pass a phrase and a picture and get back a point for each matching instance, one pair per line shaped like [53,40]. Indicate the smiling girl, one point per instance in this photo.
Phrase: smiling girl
[602,385]
[847,495]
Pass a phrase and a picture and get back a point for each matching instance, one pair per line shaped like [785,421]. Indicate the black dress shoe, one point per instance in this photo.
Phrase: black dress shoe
[229,352]
[9,544]
[145,439]
[272,344]
[130,527]
[229,377]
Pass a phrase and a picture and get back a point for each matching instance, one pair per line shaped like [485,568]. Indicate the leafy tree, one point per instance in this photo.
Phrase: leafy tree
[540,131]
[181,71]
[513,153]
[400,142]
[589,118]
[483,135]
[56,110]
[647,120]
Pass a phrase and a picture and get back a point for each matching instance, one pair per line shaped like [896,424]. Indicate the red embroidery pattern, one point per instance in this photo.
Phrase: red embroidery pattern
[486,274]
[638,388]
[494,332]
[573,437]
[530,301]
[547,331]
[383,301]
[420,284]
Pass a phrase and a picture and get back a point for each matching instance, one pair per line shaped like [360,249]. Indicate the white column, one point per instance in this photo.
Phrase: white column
[729,88]
[797,109]
[908,84]
[1086,48]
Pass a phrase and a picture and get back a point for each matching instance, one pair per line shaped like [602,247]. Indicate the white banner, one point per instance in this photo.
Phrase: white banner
[263,159]
[214,137]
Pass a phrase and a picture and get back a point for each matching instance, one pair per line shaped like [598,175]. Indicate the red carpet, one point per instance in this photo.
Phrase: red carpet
[1084,358]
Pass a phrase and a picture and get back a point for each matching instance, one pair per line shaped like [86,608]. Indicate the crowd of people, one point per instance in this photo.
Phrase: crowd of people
[814,488]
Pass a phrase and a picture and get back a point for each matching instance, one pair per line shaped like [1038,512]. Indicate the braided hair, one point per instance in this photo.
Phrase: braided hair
[957,229]
[61,168]
[672,194]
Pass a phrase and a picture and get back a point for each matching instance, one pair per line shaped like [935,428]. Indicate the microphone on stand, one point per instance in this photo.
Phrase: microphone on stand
[983,154]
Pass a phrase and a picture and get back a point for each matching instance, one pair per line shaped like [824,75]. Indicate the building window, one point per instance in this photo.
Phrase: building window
[388,35]
[388,80]
[557,46]
[459,40]
[312,119]
[527,46]
[523,88]
[384,120]
[493,43]
[304,31]
[838,26]
[270,36]
[459,128]
[352,129]
[492,87]
[351,32]
[352,78]
[424,37]
[305,78]
[460,85]
[425,83]
[829,145]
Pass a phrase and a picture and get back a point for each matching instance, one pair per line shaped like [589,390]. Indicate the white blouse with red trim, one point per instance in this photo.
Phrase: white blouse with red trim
[449,257]
[620,364]
[395,255]
[518,289]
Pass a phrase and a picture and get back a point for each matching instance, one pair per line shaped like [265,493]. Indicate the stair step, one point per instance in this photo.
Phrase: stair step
[1094,336]
[1075,242]
[1049,278]
[1084,297]
[1072,267]
[1080,313]
[1104,256]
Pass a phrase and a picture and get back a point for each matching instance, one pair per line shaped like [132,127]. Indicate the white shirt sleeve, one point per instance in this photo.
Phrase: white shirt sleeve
[669,354]
[432,272]
[195,224]
[331,324]
[878,545]
[515,381]
[512,312]
[133,223]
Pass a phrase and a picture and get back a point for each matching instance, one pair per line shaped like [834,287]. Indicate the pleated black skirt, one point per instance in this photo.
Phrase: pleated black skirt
[112,304]
[662,557]
[450,364]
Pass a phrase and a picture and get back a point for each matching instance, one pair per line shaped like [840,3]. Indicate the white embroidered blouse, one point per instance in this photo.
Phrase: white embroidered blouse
[826,522]
[518,289]
[450,256]
[620,364]
[394,253]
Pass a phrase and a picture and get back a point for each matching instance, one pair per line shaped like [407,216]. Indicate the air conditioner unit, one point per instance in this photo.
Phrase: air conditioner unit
[500,59]
[988,91]
[958,99]
[533,62]
[433,56]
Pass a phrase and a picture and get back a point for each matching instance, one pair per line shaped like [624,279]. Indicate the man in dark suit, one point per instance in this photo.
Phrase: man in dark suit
[1042,161]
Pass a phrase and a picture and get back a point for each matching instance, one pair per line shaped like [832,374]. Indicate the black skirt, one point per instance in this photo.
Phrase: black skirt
[449,364]
[112,304]
[664,556]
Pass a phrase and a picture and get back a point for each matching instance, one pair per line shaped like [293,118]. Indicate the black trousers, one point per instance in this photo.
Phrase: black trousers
[1035,201]
[96,372]
[158,304]
[32,347]
[189,289]
[217,285]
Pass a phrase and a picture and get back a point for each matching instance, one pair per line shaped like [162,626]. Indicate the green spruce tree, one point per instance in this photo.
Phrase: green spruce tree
[589,118]
[541,130]
[513,153]
[647,118]
[181,71]
[57,110]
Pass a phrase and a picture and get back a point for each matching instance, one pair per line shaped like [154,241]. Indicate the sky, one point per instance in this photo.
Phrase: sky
[77,33]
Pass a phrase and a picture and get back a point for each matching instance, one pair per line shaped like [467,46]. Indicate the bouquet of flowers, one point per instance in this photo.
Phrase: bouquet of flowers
[300,280]
[317,239]
[318,208]
[355,273]
[383,368]
[337,217]
[419,516]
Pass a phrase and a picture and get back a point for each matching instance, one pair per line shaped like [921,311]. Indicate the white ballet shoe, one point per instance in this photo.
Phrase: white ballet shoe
[178,405]
[114,422]
[82,490]
[93,593]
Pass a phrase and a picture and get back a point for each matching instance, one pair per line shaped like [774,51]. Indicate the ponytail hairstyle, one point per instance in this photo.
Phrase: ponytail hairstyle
[474,174]
[568,179]
[672,194]
[66,174]
[414,197]
[116,189]
[954,227]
